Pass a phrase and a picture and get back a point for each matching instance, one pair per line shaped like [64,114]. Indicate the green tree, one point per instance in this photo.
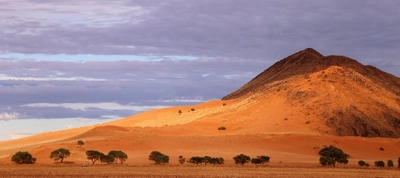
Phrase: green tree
[119,155]
[94,155]
[59,154]
[23,158]
[181,159]
[107,159]
[196,160]
[332,155]
[390,163]
[256,161]
[361,163]
[264,159]
[398,163]
[241,159]
[206,160]
[379,164]
[80,143]
[158,157]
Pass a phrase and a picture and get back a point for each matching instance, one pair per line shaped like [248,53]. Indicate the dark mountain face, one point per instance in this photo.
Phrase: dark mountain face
[309,61]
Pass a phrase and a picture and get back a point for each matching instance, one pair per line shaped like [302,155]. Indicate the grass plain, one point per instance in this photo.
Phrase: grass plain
[115,170]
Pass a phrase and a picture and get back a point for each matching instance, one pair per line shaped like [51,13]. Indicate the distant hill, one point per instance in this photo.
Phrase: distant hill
[346,96]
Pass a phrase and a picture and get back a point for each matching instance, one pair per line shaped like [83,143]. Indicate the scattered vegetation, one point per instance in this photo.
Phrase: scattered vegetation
[379,164]
[119,155]
[241,159]
[180,112]
[196,160]
[181,159]
[192,109]
[362,163]
[332,155]
[223,104]
[94,155]
[390,163]
[80,143]
[308,122]
[381,149]
[222,128]
[23,158]
[59,154]
[158,157]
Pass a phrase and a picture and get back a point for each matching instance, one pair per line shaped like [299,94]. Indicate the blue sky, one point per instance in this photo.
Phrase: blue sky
[74,63]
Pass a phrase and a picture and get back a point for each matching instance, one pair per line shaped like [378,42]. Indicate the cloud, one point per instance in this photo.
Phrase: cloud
[86,106]
[8,116]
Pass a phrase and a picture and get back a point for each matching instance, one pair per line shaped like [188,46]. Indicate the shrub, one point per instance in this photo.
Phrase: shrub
[158,157]
[23,158]
[332,155]
[222,128]
[224,104]
[381,149]
[181,160]
[241,159]
[119,155]
[256,161]
[180,112]
[59,154]
[264,159]
[192,109]
[366,165]
[390,163]
[361,163]
[379,164]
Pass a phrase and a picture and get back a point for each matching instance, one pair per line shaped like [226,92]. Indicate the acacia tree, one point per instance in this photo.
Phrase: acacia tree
[206,160]
[390,163]
[332,155]
[217,160]
[264,159]
[196,160]
[241,159]
[256,161]
[80,143]
[361,163]
[158,157]
[59,154]
[119,155]
[107,159]
[181,159]
[23,158]
[379,164]
[94,155]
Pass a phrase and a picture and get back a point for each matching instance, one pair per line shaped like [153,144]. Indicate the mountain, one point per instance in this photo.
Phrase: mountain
[297,106]
[349,98]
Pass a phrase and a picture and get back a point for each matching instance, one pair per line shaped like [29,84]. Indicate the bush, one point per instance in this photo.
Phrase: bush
[332,155]
[222,128]
[158,157]
[379,164]
[192,109]
[366,165]
[180,112]
[59,154]
[241,159]
[390,163]
[398,163]
[119,155]
[181,160]
[256,161]
[361,163]
[23,158]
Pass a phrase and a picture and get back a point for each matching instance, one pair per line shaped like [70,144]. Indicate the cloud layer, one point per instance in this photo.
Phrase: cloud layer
[97,59]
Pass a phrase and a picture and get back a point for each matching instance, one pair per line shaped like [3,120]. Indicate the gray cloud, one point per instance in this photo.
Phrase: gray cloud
[226,42]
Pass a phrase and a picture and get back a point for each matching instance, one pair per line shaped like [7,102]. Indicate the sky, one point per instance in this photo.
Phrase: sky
[66,64]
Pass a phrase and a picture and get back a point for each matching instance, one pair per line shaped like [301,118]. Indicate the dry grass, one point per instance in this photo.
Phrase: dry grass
[188,171]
